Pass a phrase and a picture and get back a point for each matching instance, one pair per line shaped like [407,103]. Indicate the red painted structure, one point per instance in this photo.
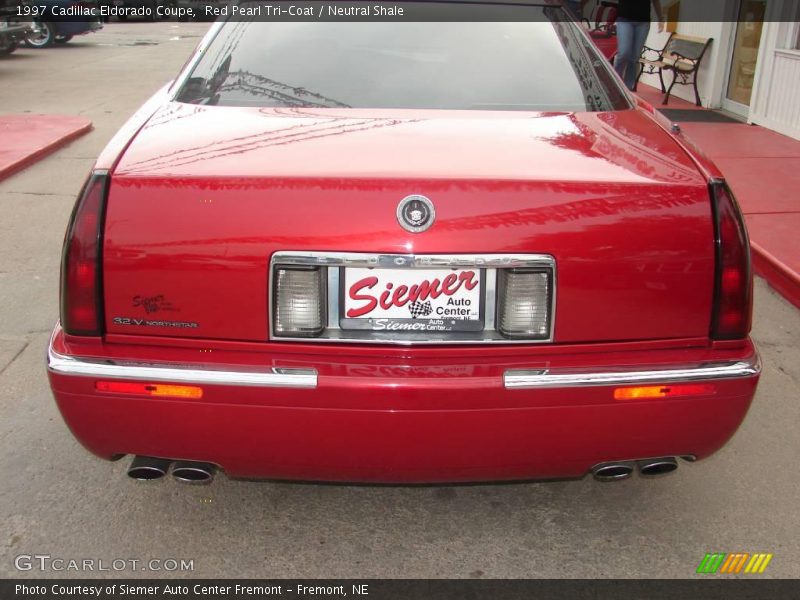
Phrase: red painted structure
[24,139]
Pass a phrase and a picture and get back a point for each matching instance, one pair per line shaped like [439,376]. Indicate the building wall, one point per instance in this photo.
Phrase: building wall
[776,98]
[775,102]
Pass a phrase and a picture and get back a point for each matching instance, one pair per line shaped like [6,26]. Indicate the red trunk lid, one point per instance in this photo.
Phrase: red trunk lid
[204,196]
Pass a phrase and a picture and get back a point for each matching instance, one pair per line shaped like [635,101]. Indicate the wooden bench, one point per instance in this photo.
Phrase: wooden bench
[682,55]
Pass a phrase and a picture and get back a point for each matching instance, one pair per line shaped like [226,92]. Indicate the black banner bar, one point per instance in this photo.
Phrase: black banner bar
[391,589]
[360,10]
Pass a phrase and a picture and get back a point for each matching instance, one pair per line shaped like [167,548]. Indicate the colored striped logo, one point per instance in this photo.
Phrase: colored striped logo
[741,562]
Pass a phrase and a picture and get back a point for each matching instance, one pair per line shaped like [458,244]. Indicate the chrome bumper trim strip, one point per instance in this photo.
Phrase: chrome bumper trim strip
[93,367]
[546,378]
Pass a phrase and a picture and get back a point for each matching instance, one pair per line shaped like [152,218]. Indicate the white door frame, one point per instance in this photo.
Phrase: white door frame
[777,41]
[729,36]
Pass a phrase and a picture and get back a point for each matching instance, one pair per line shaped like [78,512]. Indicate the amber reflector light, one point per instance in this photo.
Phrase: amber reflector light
[150,389]
[664,391]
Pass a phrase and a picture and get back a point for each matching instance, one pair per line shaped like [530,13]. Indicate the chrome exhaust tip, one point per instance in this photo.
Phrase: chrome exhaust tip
[193,472]
[147,468]
[612,471]
[657,466]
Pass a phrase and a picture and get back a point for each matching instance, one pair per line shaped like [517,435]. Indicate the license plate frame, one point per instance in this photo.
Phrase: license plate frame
[445,324]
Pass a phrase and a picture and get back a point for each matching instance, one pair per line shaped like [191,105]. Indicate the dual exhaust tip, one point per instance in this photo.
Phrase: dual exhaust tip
[147,468]
[617,471]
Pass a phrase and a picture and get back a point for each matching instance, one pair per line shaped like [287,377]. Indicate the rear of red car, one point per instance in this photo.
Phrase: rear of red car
[400,263]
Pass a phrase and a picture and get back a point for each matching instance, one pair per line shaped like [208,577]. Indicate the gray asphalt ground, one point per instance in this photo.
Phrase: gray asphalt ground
[57,499]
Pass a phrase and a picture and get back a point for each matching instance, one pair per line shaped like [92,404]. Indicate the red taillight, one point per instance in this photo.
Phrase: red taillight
[81,281]
[733,297]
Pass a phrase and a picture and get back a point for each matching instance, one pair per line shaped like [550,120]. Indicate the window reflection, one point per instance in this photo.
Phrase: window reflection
[537,65]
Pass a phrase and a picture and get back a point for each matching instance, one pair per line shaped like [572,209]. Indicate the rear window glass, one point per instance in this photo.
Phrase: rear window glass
[542,63]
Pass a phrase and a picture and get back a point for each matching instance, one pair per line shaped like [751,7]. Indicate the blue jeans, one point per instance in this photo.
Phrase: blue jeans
[631,36]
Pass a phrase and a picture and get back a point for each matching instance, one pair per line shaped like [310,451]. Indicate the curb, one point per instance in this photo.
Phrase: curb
[779,276]
[37,154]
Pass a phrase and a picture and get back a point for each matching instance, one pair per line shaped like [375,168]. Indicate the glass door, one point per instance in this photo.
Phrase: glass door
[744,56]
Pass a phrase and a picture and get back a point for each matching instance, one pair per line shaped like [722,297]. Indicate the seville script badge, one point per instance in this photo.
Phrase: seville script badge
[415,213]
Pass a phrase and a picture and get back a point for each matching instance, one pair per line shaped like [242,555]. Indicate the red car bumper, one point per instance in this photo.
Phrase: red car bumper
[422,419]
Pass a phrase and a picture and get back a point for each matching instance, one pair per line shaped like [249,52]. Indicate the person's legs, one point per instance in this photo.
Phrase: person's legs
[641,30]
[624,47]
[631,37]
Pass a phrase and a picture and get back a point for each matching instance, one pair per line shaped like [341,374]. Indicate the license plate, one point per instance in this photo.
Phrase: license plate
[412,300]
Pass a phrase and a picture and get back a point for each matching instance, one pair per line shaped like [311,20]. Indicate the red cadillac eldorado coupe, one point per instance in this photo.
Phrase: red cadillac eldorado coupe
[403,252]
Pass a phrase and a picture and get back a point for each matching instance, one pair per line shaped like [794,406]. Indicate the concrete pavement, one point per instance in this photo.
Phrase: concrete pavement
[57,499]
